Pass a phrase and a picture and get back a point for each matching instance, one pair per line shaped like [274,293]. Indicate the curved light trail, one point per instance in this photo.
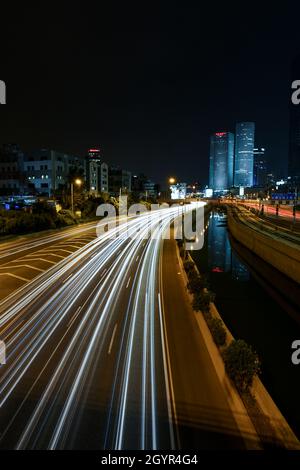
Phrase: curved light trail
[86,354]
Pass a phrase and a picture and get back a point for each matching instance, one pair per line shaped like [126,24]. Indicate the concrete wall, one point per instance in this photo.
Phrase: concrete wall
[282,254]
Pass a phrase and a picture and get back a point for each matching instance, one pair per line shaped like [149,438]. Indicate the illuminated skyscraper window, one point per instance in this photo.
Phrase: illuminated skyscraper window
[244,145]
[221,161]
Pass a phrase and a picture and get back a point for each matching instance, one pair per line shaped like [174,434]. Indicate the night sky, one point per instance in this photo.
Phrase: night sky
[147,85]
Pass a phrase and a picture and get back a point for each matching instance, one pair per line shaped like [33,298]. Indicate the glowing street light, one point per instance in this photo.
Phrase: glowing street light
[172,180]
[78,182]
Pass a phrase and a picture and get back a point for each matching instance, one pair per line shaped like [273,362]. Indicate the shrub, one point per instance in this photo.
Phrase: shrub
[241,364]
[193,274]
[195,284]
[43,208]
[43,217]
[65,217]
[218,331]
[189,266]
[2,224]
[201,301]
[43,222]
[21,224]
[207,316]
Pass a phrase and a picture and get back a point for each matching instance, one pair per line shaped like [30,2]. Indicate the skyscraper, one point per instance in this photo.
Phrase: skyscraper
[244,145]
[221,161]
[294,144]
[260,168]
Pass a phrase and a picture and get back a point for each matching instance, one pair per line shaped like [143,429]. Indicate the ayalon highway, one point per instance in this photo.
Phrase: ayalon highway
[88,351]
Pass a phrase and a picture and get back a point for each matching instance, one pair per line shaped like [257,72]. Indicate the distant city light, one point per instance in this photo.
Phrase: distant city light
[220,134]
[209,192]
[178,191]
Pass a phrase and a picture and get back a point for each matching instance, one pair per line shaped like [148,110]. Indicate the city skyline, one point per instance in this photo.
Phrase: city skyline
[150,231]
[155,103]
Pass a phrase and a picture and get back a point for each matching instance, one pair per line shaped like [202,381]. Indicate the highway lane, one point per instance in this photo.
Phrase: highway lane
[246,217]
[204,418]
[14,249]
[87,351]
[60,329]
[285,212]
[23,260]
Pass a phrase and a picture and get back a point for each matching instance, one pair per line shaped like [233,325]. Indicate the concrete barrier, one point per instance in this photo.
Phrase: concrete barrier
[282,254]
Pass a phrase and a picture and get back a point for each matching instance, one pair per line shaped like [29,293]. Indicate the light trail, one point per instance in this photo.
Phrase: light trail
[63,324]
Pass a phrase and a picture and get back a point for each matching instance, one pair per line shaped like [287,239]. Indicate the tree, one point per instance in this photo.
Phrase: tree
[197,283]
[201,301]
[241,364]
[218,331]
[42,207]
[189,266]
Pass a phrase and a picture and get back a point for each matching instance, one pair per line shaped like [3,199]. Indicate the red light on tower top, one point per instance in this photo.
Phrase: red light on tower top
[220,134]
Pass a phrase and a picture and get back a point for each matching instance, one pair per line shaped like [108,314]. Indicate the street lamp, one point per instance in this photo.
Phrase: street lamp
[172,180]
[78,182]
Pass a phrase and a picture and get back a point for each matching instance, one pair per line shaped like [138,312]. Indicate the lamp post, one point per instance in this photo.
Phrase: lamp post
[78,182]
[172,181]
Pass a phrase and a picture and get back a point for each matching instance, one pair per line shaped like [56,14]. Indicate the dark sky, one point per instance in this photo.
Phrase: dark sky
[149,84]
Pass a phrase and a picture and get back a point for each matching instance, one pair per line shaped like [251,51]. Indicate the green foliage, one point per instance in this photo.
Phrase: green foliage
[189,266]
[24,222]
[196,283]
[192,274]
[201,301]
[218,331]
[65,218]
[89,207]
[241,364]
[43,208]
[42,217]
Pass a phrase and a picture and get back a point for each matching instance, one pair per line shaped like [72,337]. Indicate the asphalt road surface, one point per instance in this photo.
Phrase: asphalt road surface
[90,349]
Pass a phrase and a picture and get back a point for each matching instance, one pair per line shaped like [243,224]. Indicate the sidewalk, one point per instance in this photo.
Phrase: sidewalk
[277,428]
[210,413]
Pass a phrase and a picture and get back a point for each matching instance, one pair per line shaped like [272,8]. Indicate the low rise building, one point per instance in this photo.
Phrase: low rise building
[48,172]
[119,181]
[12,180]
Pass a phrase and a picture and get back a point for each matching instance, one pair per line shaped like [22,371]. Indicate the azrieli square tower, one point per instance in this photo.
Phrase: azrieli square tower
[221,161]
[232,158]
